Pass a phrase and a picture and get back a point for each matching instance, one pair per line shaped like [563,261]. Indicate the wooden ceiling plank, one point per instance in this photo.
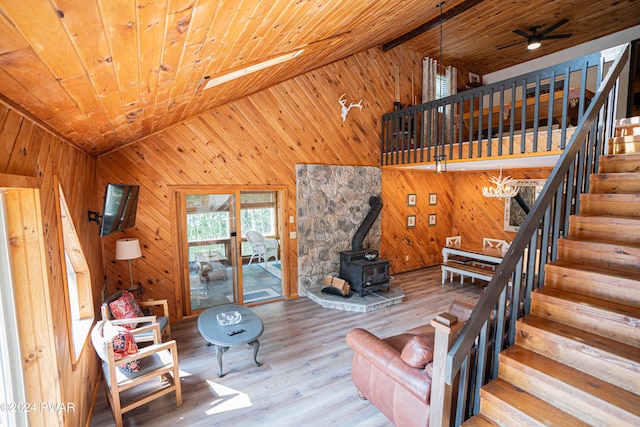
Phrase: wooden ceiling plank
[119,21]
[276,41]
[89,103]
[25,67]
[82,21]
[29,105]
[39,23]
[250,33]
[222,20]
[192,72]
[10,38]
[262,18]
[176,33]
[151,18]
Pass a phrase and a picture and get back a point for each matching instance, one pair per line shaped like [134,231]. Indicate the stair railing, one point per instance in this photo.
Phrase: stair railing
[473,358]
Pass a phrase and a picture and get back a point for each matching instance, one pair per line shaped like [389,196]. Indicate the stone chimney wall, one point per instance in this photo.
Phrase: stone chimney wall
[332,202]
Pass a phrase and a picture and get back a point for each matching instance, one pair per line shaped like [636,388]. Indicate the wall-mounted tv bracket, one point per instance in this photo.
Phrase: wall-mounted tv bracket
[95,217]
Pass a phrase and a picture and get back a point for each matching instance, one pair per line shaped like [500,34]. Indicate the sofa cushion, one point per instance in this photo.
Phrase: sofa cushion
[126,307]
[418,351]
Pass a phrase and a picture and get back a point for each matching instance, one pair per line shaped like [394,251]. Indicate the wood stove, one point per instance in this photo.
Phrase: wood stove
[365,273]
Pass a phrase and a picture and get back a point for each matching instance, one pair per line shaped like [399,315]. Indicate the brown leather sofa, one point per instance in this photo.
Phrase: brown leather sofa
[395,373]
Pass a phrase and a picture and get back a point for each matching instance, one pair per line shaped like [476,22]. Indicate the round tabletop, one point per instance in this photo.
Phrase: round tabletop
[250,325]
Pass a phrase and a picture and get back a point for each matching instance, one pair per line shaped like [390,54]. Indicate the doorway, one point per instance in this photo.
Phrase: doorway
[220,265]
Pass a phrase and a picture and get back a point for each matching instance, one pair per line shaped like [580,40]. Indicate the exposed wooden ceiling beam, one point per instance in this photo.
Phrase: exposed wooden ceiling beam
[451,13]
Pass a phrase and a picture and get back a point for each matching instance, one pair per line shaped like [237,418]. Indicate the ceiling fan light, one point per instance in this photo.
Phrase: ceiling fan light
[533,44]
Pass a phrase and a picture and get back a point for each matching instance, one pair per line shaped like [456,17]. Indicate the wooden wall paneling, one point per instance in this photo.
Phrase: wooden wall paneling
[29,279]
[476,216]
[423,243]
[256,140]
[30,152]
[9,131]
[39,154]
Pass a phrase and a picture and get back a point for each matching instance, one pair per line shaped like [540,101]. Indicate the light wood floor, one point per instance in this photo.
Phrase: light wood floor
[305,377]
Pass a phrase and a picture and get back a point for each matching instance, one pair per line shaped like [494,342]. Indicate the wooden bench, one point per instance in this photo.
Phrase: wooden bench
[465,270]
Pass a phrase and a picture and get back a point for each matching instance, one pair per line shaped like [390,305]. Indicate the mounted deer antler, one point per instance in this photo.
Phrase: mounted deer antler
[346,109]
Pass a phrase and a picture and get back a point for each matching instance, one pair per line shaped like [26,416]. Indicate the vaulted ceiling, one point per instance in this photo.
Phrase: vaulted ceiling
[103,73]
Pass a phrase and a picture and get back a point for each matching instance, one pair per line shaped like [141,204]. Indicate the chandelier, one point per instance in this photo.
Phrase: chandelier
[504,187]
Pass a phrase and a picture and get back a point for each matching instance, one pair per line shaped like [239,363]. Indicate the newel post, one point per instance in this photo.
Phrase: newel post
[447,328]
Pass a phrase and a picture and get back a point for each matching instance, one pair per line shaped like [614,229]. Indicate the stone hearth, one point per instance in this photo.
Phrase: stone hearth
[369,302]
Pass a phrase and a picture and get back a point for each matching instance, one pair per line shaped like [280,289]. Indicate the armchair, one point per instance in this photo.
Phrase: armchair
[394,373]
[262,248]
[156,360]
[162,319]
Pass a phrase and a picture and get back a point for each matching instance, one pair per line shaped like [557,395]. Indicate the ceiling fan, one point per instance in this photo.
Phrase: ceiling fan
[534,37]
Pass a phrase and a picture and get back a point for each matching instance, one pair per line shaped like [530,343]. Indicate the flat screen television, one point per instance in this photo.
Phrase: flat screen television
[120,207]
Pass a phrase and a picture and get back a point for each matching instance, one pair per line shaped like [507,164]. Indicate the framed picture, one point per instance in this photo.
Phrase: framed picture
[433,199]
[474,78]
[411,221]
[432,220]
[412,199]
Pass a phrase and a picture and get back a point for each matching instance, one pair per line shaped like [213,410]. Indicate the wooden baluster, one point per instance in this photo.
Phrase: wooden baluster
[447,328]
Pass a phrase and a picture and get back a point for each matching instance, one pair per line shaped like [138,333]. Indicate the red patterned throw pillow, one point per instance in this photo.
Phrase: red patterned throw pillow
[123,345]
[126,307]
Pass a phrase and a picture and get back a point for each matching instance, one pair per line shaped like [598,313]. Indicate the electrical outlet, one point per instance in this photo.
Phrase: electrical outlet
[406,257]
[291,219]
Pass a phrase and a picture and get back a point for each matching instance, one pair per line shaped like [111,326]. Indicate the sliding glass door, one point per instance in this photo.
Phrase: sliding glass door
[211,249]
[261,267]
[225,265]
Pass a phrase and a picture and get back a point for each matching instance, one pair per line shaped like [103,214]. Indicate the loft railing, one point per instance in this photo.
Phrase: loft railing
[533,113]
[472,359]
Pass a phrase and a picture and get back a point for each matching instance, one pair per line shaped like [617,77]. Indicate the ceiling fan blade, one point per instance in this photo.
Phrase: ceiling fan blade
[522,33]
[509,45]
[557,36]
[554,26]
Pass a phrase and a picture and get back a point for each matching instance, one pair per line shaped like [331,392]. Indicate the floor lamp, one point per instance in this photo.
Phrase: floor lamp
[129,249]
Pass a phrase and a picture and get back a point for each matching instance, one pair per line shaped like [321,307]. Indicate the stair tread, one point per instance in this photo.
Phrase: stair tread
[632,176]
[573,381]
[600,304]
[619,157]
[600,242]
[606,218]
[625,138]
[594,269]
[612,196]
[479,420]
[535,409]
[589,341]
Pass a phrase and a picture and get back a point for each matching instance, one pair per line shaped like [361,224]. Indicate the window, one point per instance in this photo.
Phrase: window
[442,86]
[79,302]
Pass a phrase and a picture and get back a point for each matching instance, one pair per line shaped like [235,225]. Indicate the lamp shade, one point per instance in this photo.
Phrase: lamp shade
[128,249]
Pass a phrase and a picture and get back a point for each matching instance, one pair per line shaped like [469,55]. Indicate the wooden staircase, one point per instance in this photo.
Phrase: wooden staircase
[576,358]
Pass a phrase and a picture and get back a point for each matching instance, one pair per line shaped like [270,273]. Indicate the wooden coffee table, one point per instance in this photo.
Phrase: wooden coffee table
[222,337]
